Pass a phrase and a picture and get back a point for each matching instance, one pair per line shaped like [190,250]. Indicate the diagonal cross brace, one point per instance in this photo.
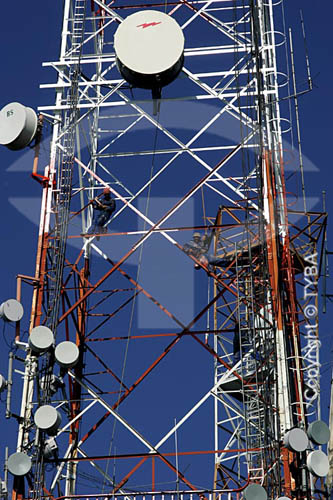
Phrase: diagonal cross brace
[153,226]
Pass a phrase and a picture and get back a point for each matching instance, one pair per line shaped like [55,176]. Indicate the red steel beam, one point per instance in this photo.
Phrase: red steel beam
[144,237]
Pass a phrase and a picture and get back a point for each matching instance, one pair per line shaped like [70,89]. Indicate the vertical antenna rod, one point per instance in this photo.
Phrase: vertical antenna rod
[306,53]
[297,119]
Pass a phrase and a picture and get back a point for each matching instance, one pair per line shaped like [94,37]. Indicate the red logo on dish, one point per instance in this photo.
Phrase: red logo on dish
[146,25]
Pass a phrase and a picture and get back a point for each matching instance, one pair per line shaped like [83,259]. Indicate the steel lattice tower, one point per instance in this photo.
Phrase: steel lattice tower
[170,411]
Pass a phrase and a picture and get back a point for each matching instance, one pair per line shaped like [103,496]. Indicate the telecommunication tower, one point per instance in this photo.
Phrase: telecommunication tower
[177,108]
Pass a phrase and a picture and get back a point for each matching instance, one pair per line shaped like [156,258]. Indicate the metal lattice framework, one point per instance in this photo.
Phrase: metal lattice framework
[143,414]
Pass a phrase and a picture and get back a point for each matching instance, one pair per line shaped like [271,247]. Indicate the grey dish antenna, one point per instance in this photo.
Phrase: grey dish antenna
[19,464]
[11,310]
[255,492]
[47,419]
[296,440]
[317,463]
[67,354]
[40,339]
[319,432]
[18,126]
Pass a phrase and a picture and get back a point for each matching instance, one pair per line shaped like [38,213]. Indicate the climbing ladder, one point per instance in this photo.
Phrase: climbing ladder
[78,27]
[64,187]
[248,367]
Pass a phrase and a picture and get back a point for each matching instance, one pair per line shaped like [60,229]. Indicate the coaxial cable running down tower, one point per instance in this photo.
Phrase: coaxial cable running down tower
[144,378]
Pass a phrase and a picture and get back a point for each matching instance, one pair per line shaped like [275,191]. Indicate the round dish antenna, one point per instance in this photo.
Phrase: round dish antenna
[19,464]
[18,126]
[149,48]
[11,310]
[40,339]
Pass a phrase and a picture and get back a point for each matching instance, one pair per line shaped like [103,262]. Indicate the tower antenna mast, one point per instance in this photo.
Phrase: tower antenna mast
[159,109]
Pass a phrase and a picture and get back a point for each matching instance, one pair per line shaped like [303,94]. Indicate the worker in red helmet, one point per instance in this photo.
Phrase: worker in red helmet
[103,206]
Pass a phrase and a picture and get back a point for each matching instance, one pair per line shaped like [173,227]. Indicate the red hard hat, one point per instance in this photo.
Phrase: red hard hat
[106,191]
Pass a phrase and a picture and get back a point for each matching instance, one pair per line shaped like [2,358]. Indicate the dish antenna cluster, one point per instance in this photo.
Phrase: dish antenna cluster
[46,418]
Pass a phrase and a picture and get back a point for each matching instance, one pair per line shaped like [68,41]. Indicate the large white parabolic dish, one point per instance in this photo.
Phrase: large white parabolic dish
[149,48]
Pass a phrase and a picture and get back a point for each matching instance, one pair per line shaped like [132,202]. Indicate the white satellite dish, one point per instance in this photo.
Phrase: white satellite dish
[18,126]
[149,48]
[40,339]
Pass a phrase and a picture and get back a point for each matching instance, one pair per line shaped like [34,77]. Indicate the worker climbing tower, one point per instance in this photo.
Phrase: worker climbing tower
[155,368]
